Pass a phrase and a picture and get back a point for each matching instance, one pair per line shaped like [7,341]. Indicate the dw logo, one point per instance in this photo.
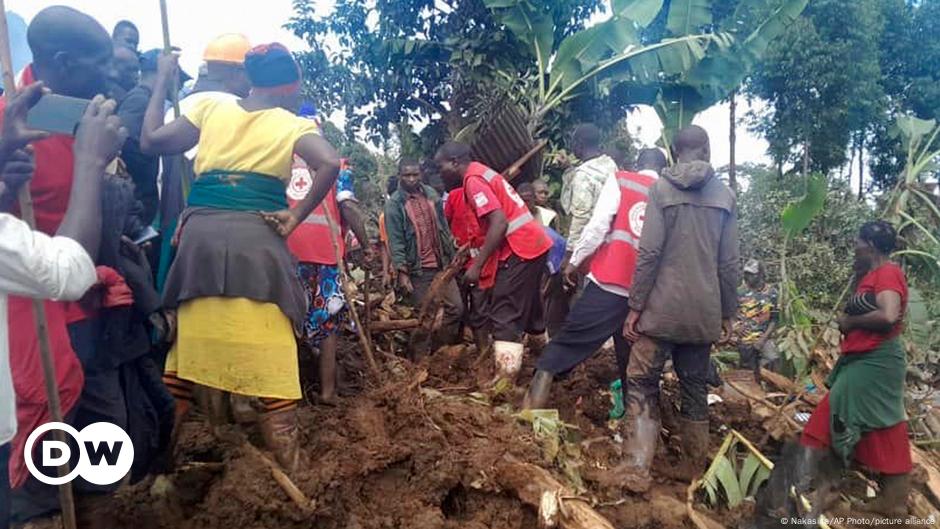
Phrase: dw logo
[105,453]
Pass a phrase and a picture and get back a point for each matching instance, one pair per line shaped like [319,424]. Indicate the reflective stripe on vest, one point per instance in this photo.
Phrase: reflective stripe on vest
[625,236]
[633,186]
[489,175]
[316,218]
[615,261]
[519,222]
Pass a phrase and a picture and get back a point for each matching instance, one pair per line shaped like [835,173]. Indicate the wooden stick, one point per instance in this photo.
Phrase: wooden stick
[395,325]
[787,385]
[283,480]
[66,496]
[167,48]
[367,295]
[510,172]
[344,282]
[765,402]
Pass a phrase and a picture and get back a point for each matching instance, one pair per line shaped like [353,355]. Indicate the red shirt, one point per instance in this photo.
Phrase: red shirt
[420,211]
[463,224]
[884,278]
[486,191]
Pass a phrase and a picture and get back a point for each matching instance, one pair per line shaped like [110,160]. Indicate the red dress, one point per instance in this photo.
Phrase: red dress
[888,450]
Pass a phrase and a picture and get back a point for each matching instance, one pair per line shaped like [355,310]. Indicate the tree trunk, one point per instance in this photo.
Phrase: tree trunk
[805,159]
[861,171]
[732,137]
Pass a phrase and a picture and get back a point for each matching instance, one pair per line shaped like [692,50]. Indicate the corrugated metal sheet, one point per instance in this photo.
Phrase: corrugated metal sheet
[503,139]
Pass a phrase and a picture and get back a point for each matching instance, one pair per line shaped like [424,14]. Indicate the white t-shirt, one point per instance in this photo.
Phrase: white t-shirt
[35,265]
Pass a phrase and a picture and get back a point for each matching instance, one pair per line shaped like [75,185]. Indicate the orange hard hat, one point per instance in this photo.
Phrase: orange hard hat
[230,47]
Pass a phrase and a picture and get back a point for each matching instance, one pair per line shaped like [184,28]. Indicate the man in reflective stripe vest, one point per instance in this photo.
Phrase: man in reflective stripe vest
[513,237]
[611,237]
[316,251]
[466,231]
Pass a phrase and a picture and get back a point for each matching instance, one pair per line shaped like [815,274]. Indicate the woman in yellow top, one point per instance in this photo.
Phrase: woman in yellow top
[233,280]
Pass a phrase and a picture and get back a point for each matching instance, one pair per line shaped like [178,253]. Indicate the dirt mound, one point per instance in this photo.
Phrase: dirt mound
[419,451]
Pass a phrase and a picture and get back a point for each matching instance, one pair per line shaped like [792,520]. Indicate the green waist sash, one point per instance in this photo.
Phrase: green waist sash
[238,190]
[866,392]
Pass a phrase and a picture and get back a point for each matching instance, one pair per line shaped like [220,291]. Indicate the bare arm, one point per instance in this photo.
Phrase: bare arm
[353,217]
[881,320]
[175,137]
[323,162]
[99,139]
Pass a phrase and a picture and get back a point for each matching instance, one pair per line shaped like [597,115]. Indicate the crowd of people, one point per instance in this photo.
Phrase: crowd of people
[211,254]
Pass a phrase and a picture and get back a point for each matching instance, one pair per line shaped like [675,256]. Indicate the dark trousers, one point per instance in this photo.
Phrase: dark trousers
[450,295]
[557,303]
[645,369]
[516,298]
[475,306]
[5,486]
[596,317]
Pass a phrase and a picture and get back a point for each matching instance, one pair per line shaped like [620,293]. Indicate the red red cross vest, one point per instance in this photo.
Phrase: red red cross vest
[615,261]
[525,236]
[310,242]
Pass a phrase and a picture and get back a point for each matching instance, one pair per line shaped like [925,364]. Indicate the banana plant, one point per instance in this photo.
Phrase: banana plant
[919,137]
[692,68]
[611,49]
[723,68]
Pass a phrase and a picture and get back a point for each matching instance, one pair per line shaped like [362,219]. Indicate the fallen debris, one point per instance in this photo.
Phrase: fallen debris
[531,483]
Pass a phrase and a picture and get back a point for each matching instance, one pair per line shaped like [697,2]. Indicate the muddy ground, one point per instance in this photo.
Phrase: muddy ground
[416,451]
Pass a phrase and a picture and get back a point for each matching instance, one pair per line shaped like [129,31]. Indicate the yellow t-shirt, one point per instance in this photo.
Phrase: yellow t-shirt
[233,139]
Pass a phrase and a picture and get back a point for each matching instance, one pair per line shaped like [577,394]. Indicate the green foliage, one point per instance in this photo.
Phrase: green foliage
[412,59]
[840,76]
[558,443]
[688,16]
[819,259]
[736,473]
[917,217]
[797,215]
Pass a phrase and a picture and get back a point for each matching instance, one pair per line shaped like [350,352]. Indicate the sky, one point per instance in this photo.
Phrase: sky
[194,22]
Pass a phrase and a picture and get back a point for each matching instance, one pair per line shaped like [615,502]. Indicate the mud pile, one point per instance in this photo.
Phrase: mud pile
[419,451]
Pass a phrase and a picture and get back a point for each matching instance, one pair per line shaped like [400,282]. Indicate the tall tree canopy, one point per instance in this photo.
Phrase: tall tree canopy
[839,78]
[395,60]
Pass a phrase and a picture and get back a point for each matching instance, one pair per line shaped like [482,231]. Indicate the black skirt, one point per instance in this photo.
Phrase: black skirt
[234,254]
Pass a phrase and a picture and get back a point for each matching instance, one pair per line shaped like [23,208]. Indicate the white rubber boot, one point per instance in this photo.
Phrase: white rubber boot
[508,359]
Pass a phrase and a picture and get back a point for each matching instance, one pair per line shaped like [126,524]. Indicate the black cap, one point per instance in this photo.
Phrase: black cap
[148,63]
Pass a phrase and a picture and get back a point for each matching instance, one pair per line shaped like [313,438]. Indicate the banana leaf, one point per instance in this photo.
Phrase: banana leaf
[640,11]
[688,16]
[797,216]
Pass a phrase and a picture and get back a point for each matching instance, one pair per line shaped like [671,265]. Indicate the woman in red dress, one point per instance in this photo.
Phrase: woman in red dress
[862,418]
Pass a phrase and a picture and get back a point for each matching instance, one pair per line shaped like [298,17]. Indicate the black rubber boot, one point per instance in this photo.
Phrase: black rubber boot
[539,391]
[892,499]
[810,472]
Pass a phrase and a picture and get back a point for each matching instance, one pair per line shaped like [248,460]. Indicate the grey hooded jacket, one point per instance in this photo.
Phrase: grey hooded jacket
[687,269]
